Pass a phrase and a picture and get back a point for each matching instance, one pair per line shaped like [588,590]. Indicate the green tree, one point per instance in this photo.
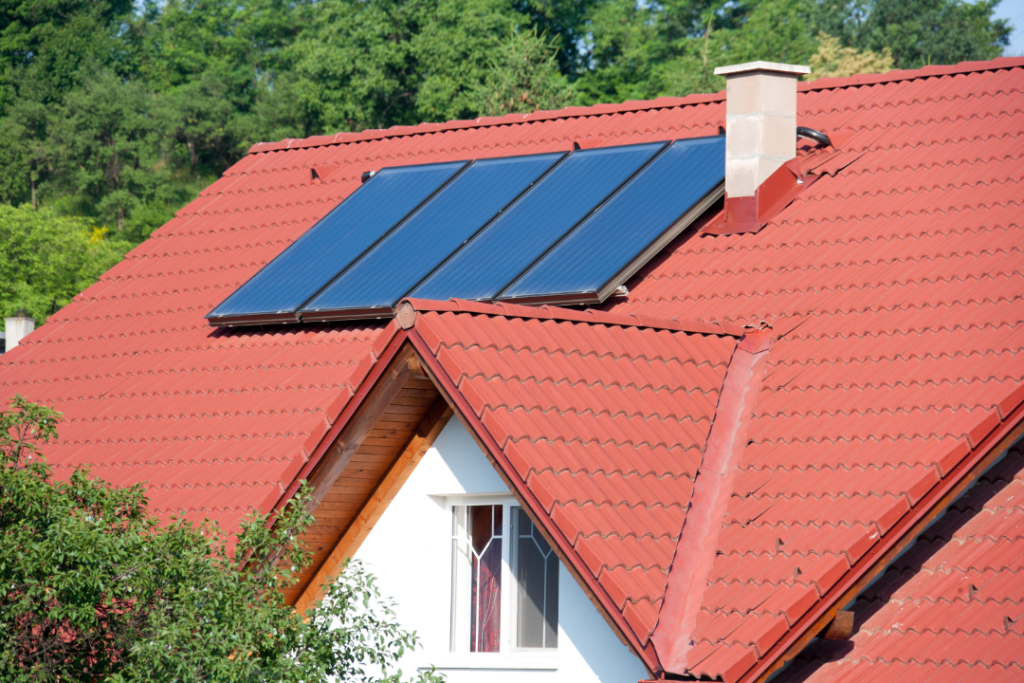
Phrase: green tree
[95,589]
[399,62]
[920,32]
[523,77]
[834,60]
[47,259]
[916,32]
[645,51]
[46,42]
[107,143]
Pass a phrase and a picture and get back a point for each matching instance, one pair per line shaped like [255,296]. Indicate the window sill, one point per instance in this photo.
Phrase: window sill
[517,661]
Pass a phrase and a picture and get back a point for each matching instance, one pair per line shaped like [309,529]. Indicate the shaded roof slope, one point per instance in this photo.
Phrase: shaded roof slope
[951,608]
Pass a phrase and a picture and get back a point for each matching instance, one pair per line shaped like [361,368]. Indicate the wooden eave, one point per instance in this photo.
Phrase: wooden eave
[380,443]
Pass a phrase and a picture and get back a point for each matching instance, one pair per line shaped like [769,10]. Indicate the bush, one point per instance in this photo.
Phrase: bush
[94,588]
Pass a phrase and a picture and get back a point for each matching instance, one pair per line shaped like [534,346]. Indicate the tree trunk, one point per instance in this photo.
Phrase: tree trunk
[32,182]
[120,219]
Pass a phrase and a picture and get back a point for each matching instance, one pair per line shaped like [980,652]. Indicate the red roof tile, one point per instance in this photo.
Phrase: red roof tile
[898,280]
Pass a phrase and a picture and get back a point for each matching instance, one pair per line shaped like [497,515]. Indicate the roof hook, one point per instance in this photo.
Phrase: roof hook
[575,145]
[812,134]
[367,175]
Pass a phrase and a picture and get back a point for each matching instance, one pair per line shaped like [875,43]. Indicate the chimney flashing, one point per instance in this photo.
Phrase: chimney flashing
[760,142]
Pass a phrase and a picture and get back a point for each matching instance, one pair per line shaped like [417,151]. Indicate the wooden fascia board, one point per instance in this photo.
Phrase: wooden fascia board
[555,538]
[426,432]
[934,503]
[358,427]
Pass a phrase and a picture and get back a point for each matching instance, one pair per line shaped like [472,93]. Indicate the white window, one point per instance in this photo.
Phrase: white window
[504,582]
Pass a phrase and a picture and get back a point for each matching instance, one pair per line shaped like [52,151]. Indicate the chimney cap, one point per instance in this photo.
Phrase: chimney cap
[762,66]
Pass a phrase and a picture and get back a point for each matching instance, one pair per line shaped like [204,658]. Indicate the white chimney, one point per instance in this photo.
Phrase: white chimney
[760,122]
[17,328]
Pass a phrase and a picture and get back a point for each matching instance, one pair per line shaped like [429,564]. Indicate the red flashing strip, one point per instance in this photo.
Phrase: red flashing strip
[1012,425]
[750,214]
[526,497]
[590,316]
[712,488]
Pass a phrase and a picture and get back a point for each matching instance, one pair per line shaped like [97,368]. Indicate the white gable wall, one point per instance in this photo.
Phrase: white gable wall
[409,550]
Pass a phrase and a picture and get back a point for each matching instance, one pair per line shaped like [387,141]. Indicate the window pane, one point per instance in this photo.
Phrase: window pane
[537,576]
[476,578]
[485,629]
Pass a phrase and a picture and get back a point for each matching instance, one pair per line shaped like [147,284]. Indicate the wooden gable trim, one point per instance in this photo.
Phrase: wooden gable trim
[367,415]
[430,426]
[377,443]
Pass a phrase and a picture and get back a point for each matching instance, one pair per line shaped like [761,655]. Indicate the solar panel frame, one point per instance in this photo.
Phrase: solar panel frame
[508,214]
[333,314]
[290,315]
[601,293]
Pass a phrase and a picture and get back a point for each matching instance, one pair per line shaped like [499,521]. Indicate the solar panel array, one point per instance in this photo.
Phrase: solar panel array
[560,228]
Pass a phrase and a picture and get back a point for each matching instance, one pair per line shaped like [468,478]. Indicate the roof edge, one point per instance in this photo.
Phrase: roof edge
[997,64]
[589,316]
[629,106]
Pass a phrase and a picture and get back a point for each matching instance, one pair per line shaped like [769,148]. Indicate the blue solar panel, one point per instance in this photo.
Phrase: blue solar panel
[301,270]
[629,228]
[376,283]
[537,220]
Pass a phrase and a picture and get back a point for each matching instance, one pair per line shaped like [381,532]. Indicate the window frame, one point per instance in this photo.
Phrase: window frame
[508,655]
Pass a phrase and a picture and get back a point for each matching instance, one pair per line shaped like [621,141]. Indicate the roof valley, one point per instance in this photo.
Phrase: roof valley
[713,485]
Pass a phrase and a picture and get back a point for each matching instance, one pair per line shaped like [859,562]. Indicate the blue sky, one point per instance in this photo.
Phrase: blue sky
[1014,11]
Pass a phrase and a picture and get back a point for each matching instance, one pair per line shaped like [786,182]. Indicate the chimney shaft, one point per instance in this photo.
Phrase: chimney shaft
[15,329]
[760,122]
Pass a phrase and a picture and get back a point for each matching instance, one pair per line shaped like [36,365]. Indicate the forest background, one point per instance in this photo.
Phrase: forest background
[114,113]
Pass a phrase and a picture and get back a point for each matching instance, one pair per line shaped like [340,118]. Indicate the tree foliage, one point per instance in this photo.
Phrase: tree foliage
[95,589]
[832,60]
[47,259]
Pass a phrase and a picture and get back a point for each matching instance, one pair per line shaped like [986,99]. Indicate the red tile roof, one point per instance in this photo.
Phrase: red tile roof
[893,284]
[952,607]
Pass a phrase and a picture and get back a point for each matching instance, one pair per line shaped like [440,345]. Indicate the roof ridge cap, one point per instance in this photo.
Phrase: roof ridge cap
[590,316]
[997,64]
[487,122]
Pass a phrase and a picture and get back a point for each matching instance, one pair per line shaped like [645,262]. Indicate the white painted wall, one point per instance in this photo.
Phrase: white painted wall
[409,550]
